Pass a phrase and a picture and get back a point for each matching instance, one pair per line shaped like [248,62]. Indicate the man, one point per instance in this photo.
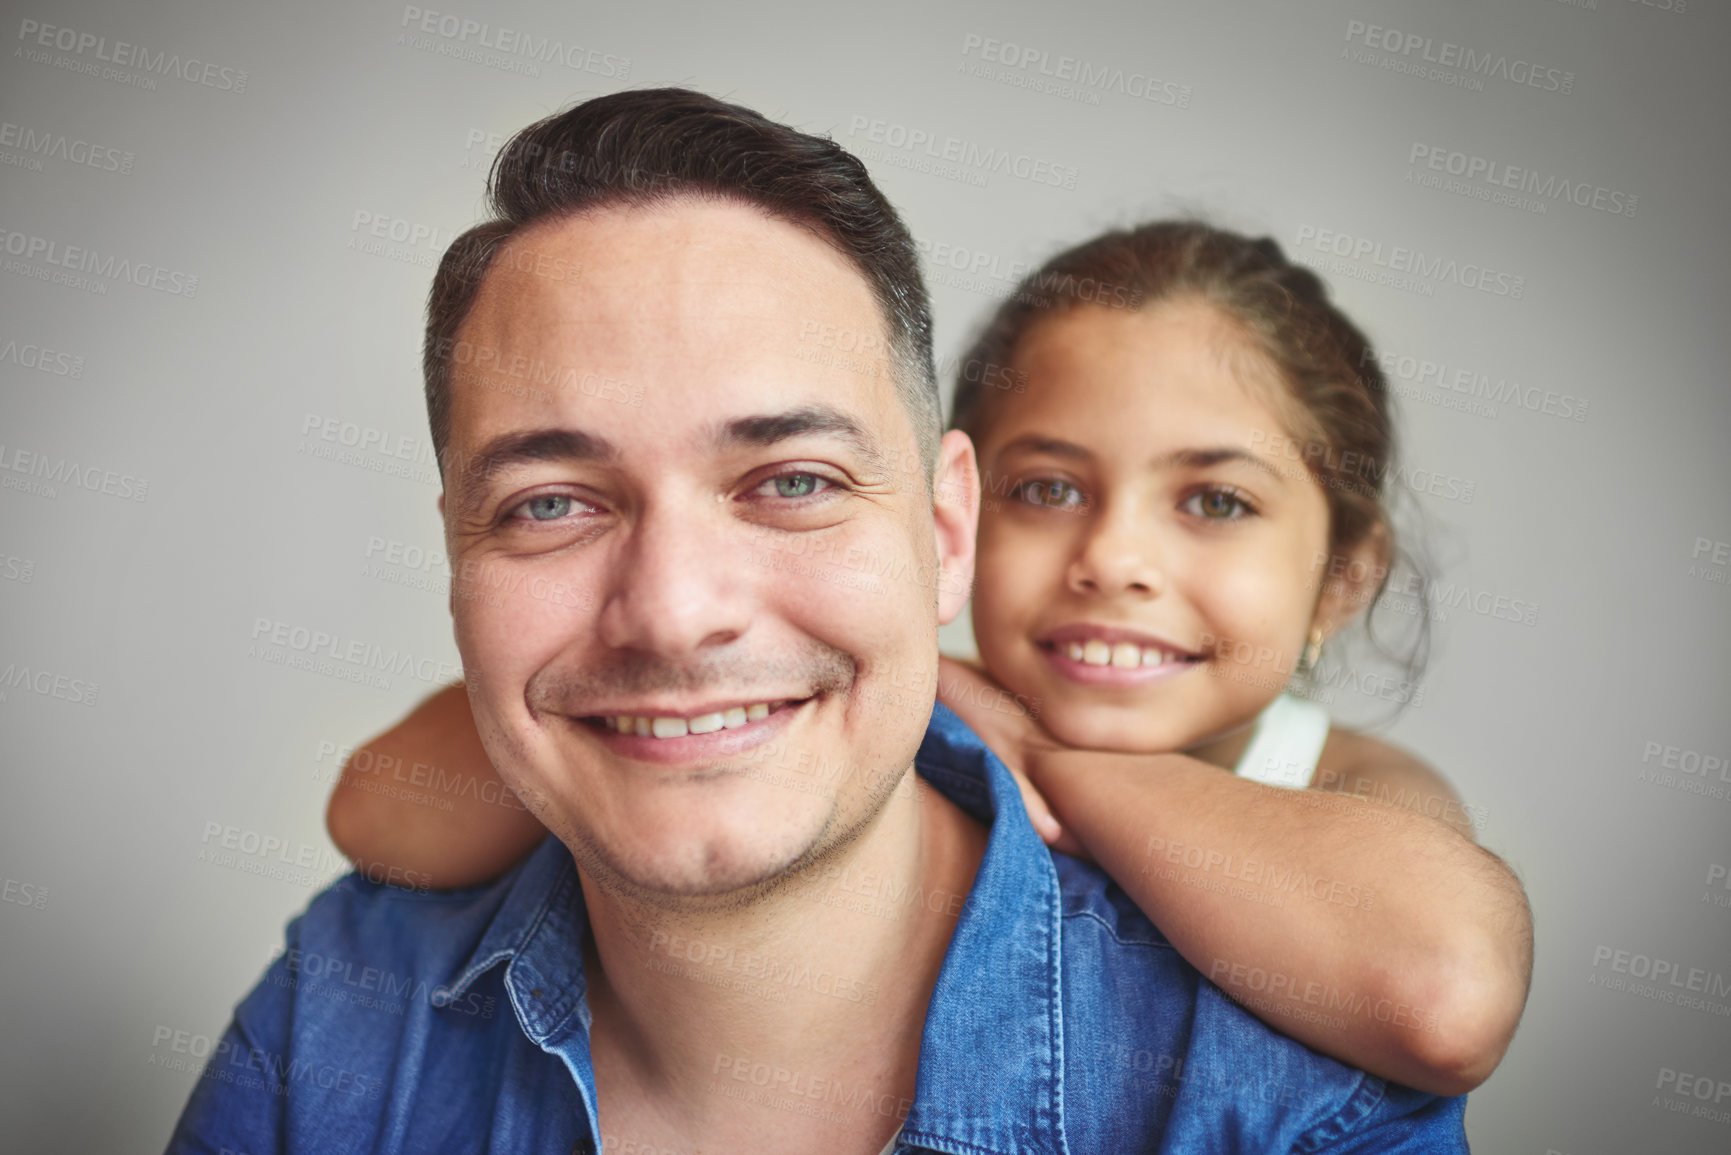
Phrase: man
[722,743]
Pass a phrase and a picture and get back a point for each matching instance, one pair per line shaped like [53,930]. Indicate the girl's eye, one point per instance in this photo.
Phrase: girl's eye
[546,507]
[794,485]
[1217,504]
[1050,493]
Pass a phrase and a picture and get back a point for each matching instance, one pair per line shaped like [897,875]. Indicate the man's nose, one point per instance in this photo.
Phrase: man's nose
[674,591]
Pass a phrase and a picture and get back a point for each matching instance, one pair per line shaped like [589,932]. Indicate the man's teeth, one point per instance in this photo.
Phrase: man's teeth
[1123,656]
[665,727]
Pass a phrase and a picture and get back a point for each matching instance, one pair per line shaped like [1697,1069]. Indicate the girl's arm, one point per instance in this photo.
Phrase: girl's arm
[424,797]
[1367,931]
[1364,929]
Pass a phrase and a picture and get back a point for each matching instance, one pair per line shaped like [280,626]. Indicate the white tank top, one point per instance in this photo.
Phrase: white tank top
[1285,744]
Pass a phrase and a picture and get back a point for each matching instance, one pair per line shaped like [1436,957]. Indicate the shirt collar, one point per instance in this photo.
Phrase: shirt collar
[992,1057]
[997,1000]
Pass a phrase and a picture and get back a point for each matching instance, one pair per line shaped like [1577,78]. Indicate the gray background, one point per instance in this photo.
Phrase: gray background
[122,919]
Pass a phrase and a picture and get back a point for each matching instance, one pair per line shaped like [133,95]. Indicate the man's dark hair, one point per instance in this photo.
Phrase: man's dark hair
[645,147]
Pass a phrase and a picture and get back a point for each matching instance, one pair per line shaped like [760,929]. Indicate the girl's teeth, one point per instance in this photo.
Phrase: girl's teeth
[756,711]
[735,718]
[705,723]
[1122,656]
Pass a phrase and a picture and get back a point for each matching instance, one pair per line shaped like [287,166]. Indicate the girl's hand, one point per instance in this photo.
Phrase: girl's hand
[1013,735]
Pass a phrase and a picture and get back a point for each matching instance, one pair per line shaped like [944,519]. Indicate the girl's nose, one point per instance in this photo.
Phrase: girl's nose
[1118,560]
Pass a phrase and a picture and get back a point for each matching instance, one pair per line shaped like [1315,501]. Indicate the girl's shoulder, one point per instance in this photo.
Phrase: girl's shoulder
[1374,768]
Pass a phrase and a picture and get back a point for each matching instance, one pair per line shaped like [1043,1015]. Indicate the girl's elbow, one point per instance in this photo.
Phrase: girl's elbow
[348,823]
[1459,1059]
[1460,1037]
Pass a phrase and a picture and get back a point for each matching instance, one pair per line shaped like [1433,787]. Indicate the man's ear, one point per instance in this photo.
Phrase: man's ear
[955,521]
[1351,578]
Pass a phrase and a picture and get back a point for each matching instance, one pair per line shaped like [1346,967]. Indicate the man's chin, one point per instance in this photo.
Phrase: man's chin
[724,867]
[715,847]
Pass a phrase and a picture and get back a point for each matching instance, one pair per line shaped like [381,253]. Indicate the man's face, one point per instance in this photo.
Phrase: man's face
[696,560]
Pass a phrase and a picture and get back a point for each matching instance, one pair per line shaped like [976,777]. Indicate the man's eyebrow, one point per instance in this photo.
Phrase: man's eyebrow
[519,448]
[767,429]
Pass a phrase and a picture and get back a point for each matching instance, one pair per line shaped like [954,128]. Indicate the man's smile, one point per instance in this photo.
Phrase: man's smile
[700,737]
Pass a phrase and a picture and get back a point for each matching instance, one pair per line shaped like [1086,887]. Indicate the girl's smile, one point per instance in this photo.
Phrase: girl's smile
[1106,655]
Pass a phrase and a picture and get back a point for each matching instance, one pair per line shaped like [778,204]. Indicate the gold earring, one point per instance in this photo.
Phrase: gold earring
[1312,650]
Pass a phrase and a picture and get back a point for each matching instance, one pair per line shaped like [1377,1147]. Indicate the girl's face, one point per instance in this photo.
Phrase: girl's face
[1148,557]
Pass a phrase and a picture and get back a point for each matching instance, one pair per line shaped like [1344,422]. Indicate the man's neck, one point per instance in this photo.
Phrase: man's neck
[792,1023]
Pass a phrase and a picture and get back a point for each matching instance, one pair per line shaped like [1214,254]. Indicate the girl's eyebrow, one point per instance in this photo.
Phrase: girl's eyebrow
[1219,455]
[1179,458]
[1034,443]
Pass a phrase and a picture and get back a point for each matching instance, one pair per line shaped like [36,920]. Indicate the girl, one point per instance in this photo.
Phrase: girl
[1182,444]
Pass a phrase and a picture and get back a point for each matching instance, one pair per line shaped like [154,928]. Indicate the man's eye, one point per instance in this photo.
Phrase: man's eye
[547,507]
[1050,493]
[1217,504]
[795,485]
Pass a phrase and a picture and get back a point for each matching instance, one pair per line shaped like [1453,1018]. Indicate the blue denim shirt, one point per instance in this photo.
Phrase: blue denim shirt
[1062,1021]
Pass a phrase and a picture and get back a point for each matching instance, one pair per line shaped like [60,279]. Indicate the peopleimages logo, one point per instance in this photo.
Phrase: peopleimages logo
[1698,1096]
[309,642]
[1470,390]
[36,36]
[41,358]
[80,259]
[1402,267]
[1490,177]
[1453,63]
[1661,979]
[1444,596]
[989,274]
[1069,77]
[59,146]
[41,468]
[924,149]
[48,684]
[517,50]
